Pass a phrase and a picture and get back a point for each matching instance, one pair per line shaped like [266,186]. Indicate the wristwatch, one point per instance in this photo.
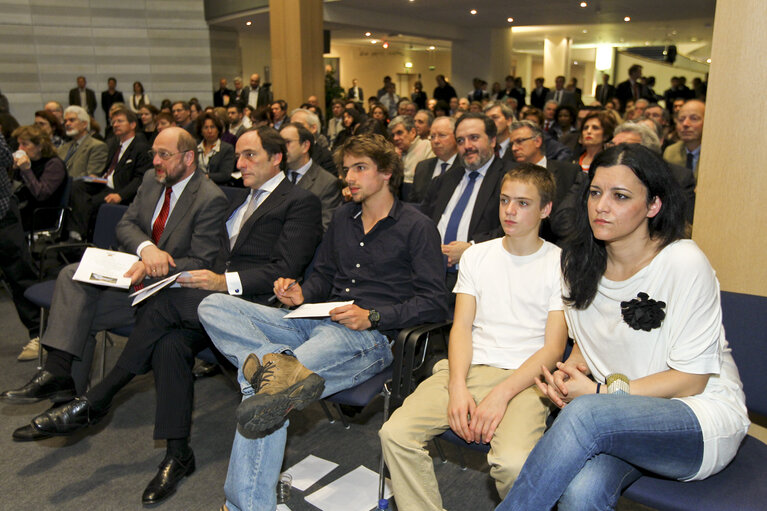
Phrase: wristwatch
[374,317]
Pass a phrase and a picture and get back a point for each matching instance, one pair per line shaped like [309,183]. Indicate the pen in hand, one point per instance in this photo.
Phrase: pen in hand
[274,297]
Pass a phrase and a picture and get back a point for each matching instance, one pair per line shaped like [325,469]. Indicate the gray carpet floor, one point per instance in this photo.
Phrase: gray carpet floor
[108,466]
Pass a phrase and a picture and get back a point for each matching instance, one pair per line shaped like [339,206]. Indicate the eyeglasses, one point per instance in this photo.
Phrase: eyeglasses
[164,155]
[520,141]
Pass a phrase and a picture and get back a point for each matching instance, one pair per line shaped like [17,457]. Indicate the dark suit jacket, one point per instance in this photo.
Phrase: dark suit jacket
[107,100]
[570,179]
[221,164]
[264,96]
[360,95]
[130,168]
[568,98]
[218,97]
[686,180]
[538,100]
[325,186]
[422,178]
[278,240]
[90,98]
[322,157]
[609,93]
[625,93]
[485,223]
[192,229]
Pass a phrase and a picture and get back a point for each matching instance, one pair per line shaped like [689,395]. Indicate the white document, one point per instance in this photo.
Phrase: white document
[316,310]
[237,174]
[105,267]
[282,507]
[142,294]
[309,470]
[356,491]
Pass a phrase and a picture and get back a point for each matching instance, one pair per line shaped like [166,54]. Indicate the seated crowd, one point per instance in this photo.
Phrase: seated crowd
[522,223]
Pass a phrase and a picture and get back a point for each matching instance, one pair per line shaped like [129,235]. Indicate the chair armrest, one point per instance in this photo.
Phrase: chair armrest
[410,349]
[59,247]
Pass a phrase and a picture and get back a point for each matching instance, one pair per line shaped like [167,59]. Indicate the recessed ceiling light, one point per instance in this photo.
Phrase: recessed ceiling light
[584,4]
[408,65]
[674,32]
[708,61]
[473,12]
[575,62]
[367,34]
[432,47]
[373,41]
[510,20]
[627,18]
[647,43]
[385,45]
[694,39]
[585,31]
[248,23]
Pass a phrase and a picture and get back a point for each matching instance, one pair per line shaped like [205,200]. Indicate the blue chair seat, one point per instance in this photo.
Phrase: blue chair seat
[742,486]
[362,394]
[41,294]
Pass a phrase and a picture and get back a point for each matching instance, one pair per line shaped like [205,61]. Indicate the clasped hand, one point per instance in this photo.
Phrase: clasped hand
[475,422]
[566,383]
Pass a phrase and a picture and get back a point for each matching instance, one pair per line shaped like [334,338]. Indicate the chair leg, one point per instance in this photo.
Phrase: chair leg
[40,349]
[329,415]
[343,417]
[438,446]
[383,504]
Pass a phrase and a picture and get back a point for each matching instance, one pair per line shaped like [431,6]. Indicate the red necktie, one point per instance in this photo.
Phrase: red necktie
[115,159]
[159,223]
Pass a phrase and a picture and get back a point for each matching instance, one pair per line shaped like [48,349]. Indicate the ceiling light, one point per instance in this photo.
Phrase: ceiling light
[584,4]
[248,23]
[408,65]
[627,18]
[647,43]
[674,32]
[585,31]
[575,62]
[708,61]
[693,39]
[367,34]
[373,41]
[385,45]
[510,20]
[432,47]
[473,12]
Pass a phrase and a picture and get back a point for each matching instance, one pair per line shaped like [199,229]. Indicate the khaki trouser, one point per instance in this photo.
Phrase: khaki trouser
[423,416]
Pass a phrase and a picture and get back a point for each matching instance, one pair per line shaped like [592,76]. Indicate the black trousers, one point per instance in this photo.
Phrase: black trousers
[165,339]
[18,267]
[85,201]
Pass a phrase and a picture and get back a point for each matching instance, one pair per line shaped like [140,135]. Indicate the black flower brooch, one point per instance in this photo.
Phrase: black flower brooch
[643,313]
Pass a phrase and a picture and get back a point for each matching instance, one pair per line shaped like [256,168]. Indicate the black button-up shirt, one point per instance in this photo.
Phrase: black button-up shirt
[396,268]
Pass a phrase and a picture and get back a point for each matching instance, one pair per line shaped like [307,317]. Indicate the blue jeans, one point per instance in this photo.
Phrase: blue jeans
[598,445]
[343,357]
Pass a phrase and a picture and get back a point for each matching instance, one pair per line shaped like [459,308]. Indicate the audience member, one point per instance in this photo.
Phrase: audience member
[182,115]
[82,96]
[605,92]
[236,118]
[319,153]
[561,95]
[56,109]
[279,113]
[689,126]
[508,323]
[410,147]
[335,121]
[127,162]
[215,158]
[273,229]
[194,111]
[390,100]
[223,95]
[596,131]
[51,126]
[83,155]
[422,120]
[111,95]
[445,148]
[41,172]
[305,173]
[257,95]
[502,116]
[538,94]
[148,116]
[550,117]
[139,98]
[631,89]
[164,120]
[443,91]
[355,92]
[564,129]
[280,372]
[238,95]
[418,96]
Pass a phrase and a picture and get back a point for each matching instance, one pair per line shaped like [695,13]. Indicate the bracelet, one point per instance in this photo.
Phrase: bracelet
[617,383]
[599,385]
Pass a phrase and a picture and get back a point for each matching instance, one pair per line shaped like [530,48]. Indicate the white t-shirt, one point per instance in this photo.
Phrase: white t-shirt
[514,295]
[690,339]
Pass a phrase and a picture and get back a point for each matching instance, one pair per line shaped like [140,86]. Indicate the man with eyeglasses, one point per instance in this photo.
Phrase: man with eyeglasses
[272,228]
[526,144]
[173,226]
[182,114]
[127,161]
[464,201]
[444,146]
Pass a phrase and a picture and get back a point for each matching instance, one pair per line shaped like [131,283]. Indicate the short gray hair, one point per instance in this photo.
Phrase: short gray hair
[505,110]
[533,127]
[81,114]
[405,120]
[311,117]
[429,114]
[647,137]
[550,101]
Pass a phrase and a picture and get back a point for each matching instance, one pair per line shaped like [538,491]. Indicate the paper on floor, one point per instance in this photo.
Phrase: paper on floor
[309,470]
[356,491]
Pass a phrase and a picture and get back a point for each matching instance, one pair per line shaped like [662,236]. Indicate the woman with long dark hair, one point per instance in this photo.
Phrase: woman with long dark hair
[651,385]
[139,98]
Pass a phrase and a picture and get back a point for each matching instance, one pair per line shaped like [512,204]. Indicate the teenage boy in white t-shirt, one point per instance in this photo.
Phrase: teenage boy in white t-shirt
[508,322]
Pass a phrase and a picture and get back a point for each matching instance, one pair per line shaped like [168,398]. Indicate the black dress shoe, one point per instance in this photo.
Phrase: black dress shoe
[68,418]
[163,485]
[29,434]
[204,369]
[45,385]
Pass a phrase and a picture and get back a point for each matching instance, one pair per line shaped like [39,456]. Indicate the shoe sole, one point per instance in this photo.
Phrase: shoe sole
[262,412]
[57,397]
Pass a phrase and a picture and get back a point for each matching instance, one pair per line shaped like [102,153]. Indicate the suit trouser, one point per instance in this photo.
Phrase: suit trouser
[423,416]
[165,339]
[18,267]
[85,200]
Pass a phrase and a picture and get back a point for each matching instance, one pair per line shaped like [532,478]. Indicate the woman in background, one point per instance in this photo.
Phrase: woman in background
[139,98]
[214,157]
